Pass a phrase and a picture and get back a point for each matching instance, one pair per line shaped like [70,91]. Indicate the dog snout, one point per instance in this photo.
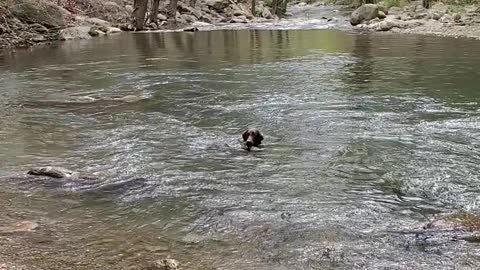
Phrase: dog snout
[249,142]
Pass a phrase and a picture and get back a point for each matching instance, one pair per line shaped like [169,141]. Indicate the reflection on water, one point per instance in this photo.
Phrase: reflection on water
[365,137]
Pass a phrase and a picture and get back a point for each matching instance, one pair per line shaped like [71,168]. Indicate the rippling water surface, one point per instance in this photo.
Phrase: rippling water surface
[366,137]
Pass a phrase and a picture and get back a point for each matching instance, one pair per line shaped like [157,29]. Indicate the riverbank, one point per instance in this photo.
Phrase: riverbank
[439,20]
[24,23]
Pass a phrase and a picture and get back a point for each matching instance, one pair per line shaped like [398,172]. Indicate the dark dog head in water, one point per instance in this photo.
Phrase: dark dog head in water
[252,137]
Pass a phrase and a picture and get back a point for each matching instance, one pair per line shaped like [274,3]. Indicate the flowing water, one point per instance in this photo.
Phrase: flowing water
[366,137]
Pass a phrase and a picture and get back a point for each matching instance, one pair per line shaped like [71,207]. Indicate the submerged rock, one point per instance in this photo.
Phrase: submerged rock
[166,264]
[55,172]
[364,13]
[22,226]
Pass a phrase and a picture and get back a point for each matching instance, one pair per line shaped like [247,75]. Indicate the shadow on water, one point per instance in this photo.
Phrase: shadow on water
[365,136]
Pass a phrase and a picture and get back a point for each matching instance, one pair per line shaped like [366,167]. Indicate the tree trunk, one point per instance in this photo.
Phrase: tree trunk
[284,7]
[172,11]
[139,12]
[274,7]
[154,12]
[253,8]
[426,3]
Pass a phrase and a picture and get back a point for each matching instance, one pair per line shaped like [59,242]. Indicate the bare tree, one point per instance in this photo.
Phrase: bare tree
[139,12]
[253,8]
[154,11]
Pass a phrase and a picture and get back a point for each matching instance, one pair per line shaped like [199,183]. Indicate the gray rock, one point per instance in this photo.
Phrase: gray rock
[113,30]
[364,13]
[381,15]
[93,32]
[200,24]
[420,9]
[161,17]
[440,8]
[152,26]
[384,26]
[446,18]
[40,11]
[97,21]
[190,29]
[100,33]
[55,172]
[266,13]
[457,17]
[35,37]
[129,8]
[36,27]
[217,5]
[435,16]
[238,12]
[239,19]
[382,8]
[206,18]
[188,18]
[78,32]
[419,16]
[126,27]
[184,8]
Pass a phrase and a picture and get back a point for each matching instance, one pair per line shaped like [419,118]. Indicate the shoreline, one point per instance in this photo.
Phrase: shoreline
[440,20]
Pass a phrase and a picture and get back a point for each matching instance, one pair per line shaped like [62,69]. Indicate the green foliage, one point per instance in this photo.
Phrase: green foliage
[460,2]
[395,3]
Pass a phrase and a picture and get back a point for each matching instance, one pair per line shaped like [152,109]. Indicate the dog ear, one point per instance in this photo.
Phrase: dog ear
[258,138]
[245,135]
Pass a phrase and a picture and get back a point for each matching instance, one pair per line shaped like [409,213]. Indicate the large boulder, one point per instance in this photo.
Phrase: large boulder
[79,32]
[41,12]
[364,13]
